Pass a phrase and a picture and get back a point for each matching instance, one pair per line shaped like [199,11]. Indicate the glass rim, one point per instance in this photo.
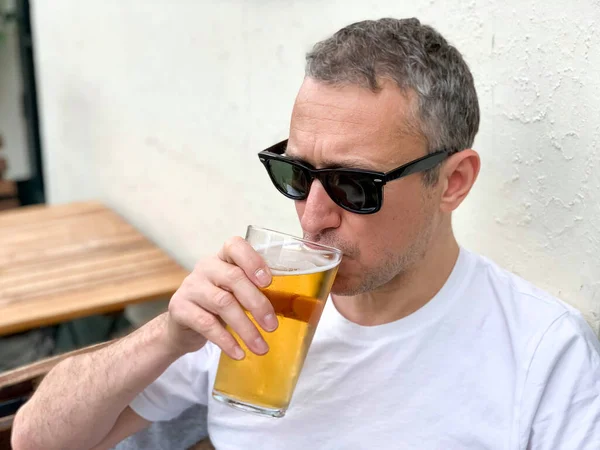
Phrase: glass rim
[296,238]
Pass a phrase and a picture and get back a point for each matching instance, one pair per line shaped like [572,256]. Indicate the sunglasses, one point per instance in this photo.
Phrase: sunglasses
[355,190]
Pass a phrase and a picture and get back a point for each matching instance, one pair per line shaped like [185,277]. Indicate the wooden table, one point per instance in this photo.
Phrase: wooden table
[67,261]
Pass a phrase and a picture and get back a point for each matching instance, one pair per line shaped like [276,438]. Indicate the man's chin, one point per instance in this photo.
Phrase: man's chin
[345,286]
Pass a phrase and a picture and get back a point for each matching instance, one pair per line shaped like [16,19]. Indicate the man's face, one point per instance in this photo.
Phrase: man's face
[351,126]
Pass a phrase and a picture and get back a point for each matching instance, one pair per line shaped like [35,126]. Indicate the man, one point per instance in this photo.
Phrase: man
[423,345]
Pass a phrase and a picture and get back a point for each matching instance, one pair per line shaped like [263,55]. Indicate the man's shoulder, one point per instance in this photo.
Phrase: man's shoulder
[538,324]
[520,300]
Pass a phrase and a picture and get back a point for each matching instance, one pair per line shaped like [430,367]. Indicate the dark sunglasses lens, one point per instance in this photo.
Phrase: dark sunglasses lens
[289,179]
[354,191]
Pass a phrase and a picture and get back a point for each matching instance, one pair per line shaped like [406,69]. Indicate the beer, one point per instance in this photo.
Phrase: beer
[268,381]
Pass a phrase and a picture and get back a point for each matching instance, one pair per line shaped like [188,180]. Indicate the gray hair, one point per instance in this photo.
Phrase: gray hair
[418,59]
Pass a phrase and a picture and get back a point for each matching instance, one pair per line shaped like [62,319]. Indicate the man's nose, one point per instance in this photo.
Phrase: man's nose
[318,212]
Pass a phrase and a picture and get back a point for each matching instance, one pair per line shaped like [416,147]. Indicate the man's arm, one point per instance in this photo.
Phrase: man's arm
[82,401]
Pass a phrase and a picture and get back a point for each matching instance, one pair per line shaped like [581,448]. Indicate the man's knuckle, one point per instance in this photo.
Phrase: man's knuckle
[257,304]
[223,300]
[187,286]
[232,243]
[181,296]
[225,338]
[206,322]
[201,265]
[252,334]
[235,274]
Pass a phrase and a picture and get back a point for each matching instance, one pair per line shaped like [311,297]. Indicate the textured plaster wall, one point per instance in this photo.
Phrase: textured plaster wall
[158,108]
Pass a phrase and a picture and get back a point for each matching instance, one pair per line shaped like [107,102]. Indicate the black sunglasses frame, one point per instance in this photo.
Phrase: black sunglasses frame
[379,179]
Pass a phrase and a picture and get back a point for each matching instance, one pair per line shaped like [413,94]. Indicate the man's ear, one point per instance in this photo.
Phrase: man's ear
[458,174]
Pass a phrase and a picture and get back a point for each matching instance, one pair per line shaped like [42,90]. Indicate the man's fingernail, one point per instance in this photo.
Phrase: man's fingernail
[238,353]
[263,277]
[271,322]
[261,346]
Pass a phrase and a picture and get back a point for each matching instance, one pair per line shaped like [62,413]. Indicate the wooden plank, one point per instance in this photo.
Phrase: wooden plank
[102,298]
[42,367]
[36,258]
[33,216]
[41,226]
[81,287]
[62,231]
[52,276]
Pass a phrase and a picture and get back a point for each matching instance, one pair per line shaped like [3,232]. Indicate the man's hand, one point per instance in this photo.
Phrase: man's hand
[216,294]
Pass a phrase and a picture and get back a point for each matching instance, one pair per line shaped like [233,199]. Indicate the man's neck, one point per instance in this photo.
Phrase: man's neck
[404,294]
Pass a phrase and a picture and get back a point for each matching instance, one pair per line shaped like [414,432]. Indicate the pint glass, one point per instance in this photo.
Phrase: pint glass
[303,273]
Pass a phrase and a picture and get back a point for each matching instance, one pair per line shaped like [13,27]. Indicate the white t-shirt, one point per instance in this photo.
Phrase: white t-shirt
[491,362]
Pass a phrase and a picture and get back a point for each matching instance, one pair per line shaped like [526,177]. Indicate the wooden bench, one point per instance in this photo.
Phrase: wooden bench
[19,384]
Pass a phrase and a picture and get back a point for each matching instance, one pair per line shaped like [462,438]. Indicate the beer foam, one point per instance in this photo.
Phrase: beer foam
[292,259]
[301,271]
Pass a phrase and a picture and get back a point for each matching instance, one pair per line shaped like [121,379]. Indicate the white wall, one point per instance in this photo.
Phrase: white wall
[159,107]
